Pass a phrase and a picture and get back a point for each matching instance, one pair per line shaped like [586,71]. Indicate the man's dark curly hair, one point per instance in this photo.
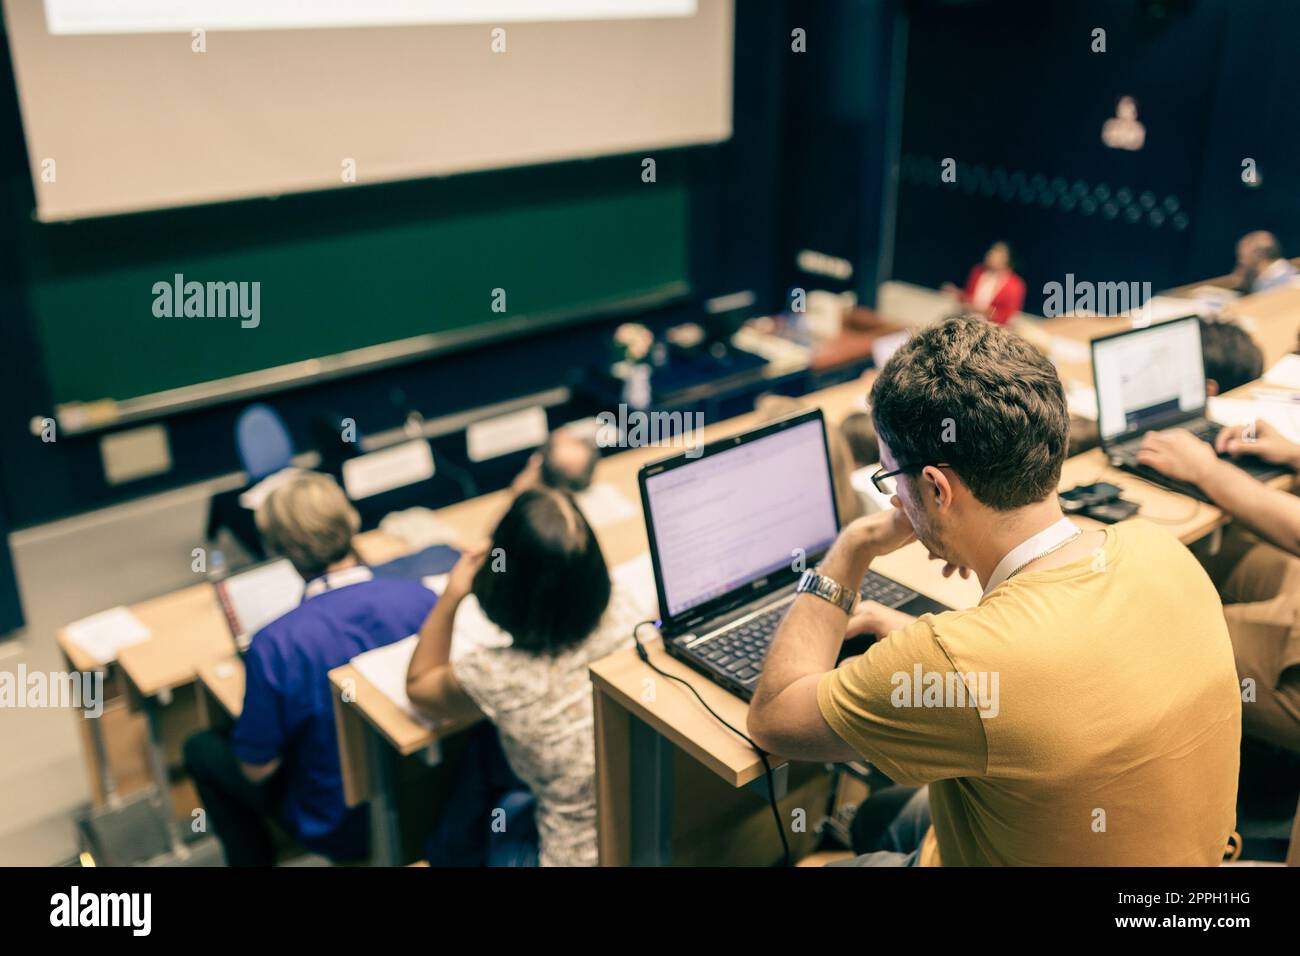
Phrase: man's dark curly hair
[980,398]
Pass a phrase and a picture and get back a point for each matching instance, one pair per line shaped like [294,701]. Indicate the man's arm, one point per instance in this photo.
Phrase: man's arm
[1273,514]
[784,716]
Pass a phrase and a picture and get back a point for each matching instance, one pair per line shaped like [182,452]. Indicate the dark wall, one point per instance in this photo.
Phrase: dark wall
[835,138]
[733,224]
[1253,114]
[1012,90]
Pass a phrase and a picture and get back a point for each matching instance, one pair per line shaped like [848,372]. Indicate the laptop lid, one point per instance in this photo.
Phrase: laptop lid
[732,522]
[256,596]
[1148,378]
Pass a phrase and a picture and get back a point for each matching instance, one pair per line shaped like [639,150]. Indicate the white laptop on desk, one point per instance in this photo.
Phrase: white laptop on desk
[257,596]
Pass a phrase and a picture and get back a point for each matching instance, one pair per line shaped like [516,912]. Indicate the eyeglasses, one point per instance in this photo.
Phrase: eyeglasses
[884,480]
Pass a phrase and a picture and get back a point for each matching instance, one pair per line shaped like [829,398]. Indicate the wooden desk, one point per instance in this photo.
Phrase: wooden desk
[1273,319]
[221,691]
[641,718]
[374,735]
[187,631]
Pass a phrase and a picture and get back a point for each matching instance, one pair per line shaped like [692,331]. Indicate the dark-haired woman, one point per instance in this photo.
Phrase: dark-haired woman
[542,581]
[993,289]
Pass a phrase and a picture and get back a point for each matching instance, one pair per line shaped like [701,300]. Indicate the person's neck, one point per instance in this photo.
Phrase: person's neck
[992,542]
[351,561]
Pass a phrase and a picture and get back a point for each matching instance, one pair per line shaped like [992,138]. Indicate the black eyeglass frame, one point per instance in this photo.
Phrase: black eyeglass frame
[879,475]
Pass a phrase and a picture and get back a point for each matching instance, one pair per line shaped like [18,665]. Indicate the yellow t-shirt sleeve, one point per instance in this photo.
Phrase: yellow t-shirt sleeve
[873,703]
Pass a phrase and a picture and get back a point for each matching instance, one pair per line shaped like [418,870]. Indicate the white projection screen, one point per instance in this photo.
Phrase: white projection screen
[132,105]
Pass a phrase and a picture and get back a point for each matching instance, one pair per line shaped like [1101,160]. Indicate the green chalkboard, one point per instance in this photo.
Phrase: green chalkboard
[345,270]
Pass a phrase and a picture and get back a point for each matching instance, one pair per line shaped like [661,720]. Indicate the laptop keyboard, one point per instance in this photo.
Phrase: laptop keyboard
[739,650]
[880,589]
[1127,453]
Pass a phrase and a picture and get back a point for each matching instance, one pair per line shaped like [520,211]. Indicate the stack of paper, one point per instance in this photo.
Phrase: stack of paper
[1284,416]
[102,635]
[1082,400]
[386,667]
[636,578]
[419,527]
[1286,372]
[602,504]
[252,498]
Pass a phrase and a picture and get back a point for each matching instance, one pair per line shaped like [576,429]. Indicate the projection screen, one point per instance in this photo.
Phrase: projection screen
[147,104]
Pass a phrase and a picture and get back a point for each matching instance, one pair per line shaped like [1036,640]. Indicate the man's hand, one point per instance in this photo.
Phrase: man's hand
[1261,440]
[883,532]
[876,619]
[1178,454]
[949,569]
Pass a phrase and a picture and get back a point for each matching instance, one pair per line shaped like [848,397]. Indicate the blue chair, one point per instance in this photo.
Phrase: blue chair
[262,441]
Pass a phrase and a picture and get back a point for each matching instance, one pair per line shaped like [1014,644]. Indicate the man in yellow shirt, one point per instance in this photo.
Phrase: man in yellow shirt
[1085,712]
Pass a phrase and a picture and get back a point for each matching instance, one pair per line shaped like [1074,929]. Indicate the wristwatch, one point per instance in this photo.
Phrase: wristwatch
[846,599]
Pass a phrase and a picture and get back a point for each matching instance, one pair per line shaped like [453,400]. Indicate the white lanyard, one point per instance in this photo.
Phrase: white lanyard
[337,579]
[1045,542]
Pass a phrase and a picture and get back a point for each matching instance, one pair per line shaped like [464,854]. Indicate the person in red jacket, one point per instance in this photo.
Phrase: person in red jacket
[993,289]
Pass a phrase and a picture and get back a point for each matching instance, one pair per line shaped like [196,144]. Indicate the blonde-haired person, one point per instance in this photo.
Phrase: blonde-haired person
[281,762]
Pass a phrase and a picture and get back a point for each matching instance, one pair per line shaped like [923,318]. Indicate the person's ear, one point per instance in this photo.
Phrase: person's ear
[935,483]
[1211,387]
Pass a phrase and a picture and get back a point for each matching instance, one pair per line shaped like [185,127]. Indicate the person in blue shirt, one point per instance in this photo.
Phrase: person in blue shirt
[281,762]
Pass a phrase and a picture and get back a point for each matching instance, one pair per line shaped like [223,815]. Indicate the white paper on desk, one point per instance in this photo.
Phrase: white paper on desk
[636,579]
[1162,308]
[1284,416]
[102,635]
[1082,400]
[418,527]
[884,347]
[386,666]
[602,504]
[875,501]
[252,498]
[1062,350]
[1285,372]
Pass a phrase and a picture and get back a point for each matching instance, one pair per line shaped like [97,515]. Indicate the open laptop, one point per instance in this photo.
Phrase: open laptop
[1150,379]
[727,526]
[256,596]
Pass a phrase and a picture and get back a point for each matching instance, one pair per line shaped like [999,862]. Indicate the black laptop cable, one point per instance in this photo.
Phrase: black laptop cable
[762,754]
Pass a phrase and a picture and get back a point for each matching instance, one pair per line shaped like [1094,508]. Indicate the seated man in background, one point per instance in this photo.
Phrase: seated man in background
[861,437]
[1232,358]
[1259,580]
[1085,712]
[282,761]
[1260,264]
[566,462]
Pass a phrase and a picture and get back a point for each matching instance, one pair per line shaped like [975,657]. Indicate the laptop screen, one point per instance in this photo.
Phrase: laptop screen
[1148,377]
[730,518]
[254,598]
